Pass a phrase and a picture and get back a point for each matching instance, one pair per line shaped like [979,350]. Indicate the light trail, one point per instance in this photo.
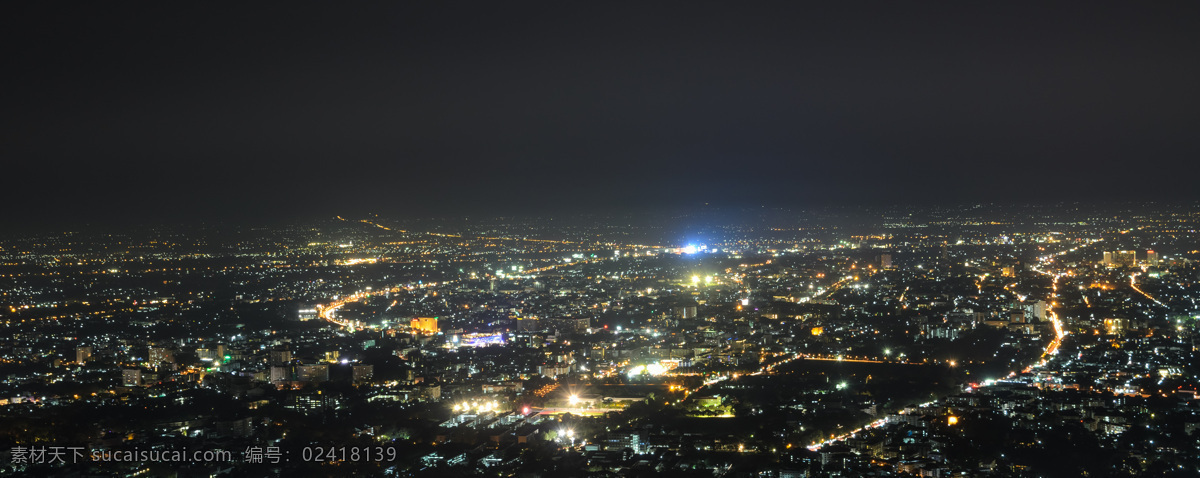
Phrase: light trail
[1133,283]
[845,436]
[1059,333]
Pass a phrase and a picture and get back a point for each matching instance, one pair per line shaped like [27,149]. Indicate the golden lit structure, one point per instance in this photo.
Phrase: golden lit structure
[1115,326]
[425,325]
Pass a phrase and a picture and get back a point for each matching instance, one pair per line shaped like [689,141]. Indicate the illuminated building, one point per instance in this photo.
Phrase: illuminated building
[554,370]
[1120,258]
[208,355]
[1125,258]
[1115,326]
[362,373]
[571,325]
[313,373]
[483,340]
[425,325]
[280,374]
[161,355]
[131,377]
[885,261]
[83,354]
[1151,258]
[280,356]
[685,312]
[525,324]
[1038,309]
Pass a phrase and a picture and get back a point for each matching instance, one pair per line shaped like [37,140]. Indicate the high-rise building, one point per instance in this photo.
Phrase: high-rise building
[1151,258]
[277,357]
[1120,258]
[131,377]
[280,373]
[1038,309]
[83,354]
[362,373]
[885,261]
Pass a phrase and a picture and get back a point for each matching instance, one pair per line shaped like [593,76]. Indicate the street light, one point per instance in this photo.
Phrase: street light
[570,434]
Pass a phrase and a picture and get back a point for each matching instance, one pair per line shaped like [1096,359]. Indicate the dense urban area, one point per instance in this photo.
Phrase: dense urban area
[982,340]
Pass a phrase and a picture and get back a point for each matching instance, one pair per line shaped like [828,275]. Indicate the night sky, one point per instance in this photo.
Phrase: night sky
[179,111]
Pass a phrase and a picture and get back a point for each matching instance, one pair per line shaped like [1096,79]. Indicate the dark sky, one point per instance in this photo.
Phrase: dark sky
[200,110]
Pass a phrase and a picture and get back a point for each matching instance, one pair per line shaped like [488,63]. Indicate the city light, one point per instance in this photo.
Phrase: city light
[762,240]
[685,350]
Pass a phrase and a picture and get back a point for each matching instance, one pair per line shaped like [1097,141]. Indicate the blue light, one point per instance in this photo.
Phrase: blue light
[497,339]
[689,249]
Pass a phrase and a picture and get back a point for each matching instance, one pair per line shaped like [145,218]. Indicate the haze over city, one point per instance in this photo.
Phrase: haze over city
[171,112]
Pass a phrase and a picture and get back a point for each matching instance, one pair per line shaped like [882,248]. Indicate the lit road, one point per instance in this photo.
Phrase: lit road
[575,410]
[1051,348]
[1059,333]
[845,436]
[328,312]
[1133,283]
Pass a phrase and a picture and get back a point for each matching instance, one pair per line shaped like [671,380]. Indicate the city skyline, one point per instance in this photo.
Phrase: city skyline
[684,239]
[967,341]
